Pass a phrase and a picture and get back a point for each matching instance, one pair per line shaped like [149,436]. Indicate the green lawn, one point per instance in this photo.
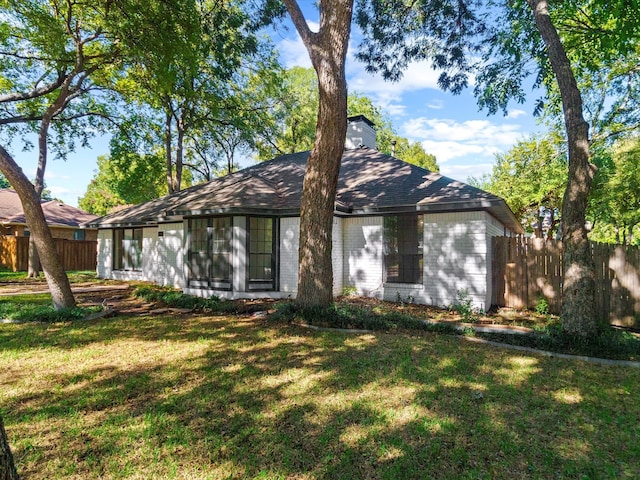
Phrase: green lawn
[75,276]
[236,397]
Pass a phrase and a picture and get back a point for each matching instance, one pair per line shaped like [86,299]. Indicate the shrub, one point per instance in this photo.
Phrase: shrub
[175,298]
[464,307]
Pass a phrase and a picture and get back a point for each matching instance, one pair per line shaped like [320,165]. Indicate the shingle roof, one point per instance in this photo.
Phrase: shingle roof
[369,182]
[56,213]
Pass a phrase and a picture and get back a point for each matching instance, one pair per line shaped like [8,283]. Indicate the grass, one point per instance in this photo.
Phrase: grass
[79,276]
[212,397]
[387,316]
[37,307]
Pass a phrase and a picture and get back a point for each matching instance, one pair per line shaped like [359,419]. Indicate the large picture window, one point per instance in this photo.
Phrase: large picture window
[127,249]
[262,253]
[210,252]
[403,248]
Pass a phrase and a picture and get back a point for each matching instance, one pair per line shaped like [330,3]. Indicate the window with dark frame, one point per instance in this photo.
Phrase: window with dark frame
[127,249]
[209,252]
[403,248]
[262,253]
[79,234]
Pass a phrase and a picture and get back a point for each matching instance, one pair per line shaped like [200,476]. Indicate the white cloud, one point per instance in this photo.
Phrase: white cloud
[418,76]
[463,172]
[466,148]
[388,95]
[515,113]
[435,104]
[292,50]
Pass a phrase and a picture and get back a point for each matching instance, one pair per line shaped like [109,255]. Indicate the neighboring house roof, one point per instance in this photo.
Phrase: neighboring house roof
[370,182]
[57,214]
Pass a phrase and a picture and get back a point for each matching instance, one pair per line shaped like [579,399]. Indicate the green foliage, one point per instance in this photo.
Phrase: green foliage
[531,177]
[413,152]
[542,306]
[611,343]
[21,309]
[4,183]
[464,306]
[177,299]
[345,316]
[615,199]
[297,111]
[128,179]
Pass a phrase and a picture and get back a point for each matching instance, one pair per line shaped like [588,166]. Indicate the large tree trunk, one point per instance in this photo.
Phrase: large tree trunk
[327,50]
[7,467]
[168,152]
[53,271]
[578,315]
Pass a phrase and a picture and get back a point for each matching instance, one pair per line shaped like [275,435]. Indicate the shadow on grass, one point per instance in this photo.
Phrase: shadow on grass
[228,397]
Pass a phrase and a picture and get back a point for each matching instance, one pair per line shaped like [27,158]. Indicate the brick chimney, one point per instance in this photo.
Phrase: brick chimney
[360,133]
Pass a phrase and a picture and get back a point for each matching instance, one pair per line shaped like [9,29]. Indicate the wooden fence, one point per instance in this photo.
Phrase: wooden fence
[528,269]
[74,254]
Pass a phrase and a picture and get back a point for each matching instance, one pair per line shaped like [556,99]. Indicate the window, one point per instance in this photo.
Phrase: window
[262,253]
[403,239]
[127,249]
[210,252]
[79,235]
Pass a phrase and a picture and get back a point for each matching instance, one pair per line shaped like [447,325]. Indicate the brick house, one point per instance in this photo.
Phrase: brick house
[398,229]
[64,220]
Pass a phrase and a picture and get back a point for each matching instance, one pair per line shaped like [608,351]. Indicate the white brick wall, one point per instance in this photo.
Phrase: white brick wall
[289,242]
[174,255]
[105,254]
[362,247]
[337,256]
[455,257]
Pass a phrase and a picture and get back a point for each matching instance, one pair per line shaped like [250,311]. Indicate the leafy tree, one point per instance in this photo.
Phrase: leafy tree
[185,59]
[297,111]
[615,206]
[327,50]
[414,152]
[52,53]
[531,177]
[515,33]
[4,183]
[129,179]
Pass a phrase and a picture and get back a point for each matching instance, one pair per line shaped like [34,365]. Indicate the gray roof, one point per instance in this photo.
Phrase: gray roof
[370,182]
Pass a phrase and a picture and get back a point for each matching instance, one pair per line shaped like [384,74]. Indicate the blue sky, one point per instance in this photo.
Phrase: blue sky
[463,139]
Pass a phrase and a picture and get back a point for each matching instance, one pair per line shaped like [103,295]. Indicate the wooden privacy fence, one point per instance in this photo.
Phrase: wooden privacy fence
[528,269]
[74,254]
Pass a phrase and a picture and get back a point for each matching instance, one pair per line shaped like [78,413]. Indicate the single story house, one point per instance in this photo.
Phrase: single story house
[64,220]
[399,231]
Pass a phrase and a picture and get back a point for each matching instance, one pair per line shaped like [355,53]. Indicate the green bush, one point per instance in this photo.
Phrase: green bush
[345,316]
[42,313]
[176,299]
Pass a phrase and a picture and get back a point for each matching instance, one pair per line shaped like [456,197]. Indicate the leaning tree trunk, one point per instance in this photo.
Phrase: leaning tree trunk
[327,49]
[578,315]
[7,467]
[53,271]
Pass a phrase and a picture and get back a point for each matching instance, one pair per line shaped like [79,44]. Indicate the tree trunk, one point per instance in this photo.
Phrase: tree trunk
[38,184]
[167,148]
[53,271]
[327,50]
[7,467]
[179,157]
[578,315]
